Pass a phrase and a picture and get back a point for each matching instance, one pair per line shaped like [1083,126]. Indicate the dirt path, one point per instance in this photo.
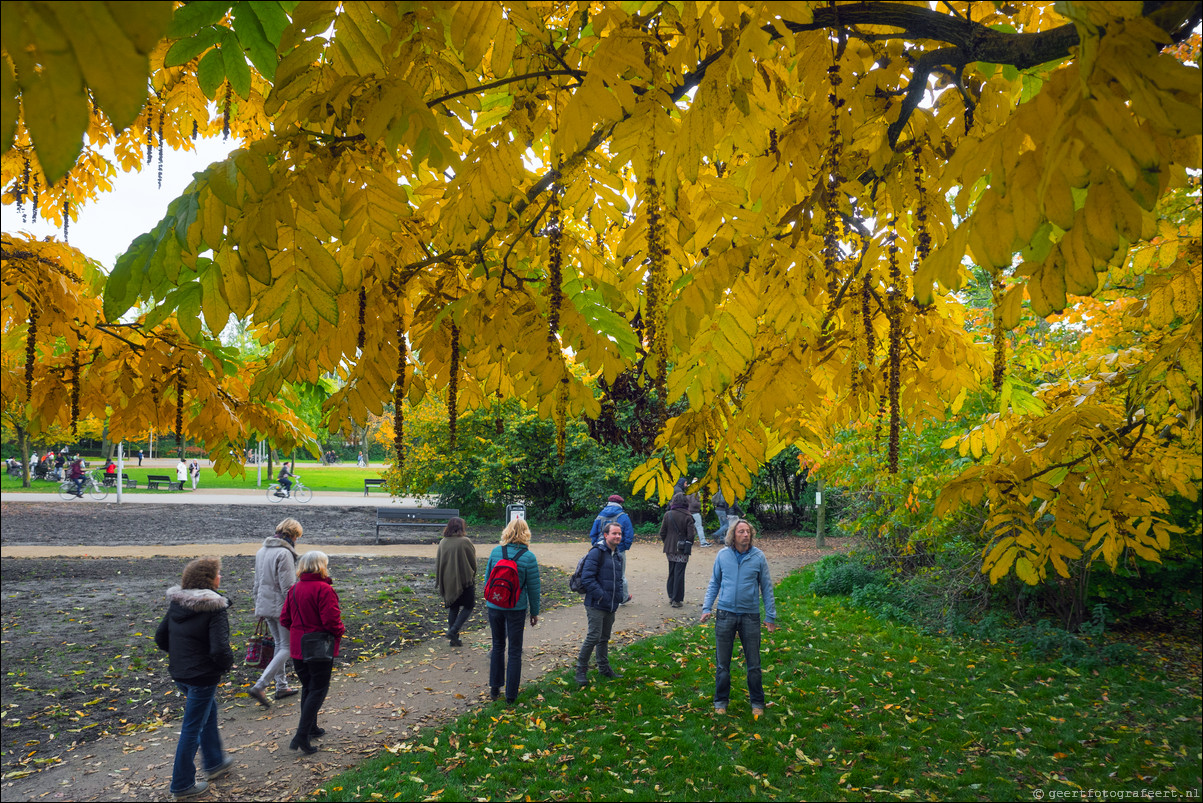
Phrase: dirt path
[372,704]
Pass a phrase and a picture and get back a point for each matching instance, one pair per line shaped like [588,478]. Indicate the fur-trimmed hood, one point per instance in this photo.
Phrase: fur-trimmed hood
[197,599]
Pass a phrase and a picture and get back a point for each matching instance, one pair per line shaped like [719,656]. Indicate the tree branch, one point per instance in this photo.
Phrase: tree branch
[472,90]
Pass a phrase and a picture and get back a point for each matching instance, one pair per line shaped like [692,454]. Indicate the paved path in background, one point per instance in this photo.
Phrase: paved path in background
[225,497]
[372,704]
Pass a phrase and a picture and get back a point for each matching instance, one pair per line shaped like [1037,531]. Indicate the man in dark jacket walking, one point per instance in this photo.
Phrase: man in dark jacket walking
[613,512]
[602,577]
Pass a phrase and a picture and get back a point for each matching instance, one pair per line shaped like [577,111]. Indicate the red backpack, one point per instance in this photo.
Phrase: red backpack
[504,586]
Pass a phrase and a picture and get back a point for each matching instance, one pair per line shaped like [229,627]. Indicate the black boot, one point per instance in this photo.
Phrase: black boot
[457,625]
[302,744]
[603,662]
[582,665]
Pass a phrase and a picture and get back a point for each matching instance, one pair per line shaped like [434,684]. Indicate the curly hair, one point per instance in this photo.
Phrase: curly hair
[729,538]
[201,573]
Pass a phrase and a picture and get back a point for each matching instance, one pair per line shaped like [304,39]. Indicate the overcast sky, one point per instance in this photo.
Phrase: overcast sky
[106,227]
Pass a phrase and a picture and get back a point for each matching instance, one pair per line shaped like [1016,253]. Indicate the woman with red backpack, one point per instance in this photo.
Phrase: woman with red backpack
[511,594]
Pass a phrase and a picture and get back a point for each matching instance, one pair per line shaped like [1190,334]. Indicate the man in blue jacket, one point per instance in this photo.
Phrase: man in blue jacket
[602,578]
[739,580]
[613,512]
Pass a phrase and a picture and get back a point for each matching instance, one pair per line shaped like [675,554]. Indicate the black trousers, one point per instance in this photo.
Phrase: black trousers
[459,611]
[315,684]
[676,581]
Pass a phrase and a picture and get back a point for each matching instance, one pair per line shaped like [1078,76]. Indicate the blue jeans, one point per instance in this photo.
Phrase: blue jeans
[747,626]
[505,665]
[721,532]
[198,726]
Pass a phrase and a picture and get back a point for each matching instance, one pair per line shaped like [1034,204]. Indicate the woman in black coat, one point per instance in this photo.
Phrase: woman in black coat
[195,634]
[677,531]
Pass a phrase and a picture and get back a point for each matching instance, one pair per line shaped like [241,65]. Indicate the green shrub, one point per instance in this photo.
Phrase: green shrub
[839,575]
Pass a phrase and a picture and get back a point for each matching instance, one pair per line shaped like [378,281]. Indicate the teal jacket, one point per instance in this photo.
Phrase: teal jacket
[528,573]
[739,581]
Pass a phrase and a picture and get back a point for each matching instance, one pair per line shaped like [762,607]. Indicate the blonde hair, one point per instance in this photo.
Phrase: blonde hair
[314,562]
[516,532]
[729,538]
[291,528]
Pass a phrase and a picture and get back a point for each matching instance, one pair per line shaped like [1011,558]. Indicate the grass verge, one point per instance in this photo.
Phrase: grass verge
[347,479]
[859,709]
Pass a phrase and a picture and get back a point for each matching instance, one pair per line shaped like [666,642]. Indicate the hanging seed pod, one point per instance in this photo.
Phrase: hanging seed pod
[21,192]
[195,130]
[922,236]
[655,286]
[869,344]
[74,394]
[150,140]
[555,273]
[399,392]
[179,408]
[162,116]
[66,218]
[31,341]
[225,112]
[453,387]
[773,141]
[561,415]
[36,185]
[866,312]
[895,352]
[831,177]
[363,316]
[1000,341]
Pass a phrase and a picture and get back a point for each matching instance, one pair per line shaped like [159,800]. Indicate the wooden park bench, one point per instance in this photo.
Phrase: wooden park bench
[154,480]
[369,484]
[413,517]
[110,481]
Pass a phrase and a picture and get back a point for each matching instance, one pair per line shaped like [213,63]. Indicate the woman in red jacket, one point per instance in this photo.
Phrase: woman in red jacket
[311,606]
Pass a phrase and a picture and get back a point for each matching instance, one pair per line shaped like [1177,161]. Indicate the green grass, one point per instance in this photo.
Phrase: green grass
[859,710]
[319,478]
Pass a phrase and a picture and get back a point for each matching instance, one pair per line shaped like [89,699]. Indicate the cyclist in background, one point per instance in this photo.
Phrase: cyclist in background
[285,478]
[77,475]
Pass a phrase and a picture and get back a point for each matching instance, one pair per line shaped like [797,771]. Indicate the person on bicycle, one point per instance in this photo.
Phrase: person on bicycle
[77,476]
[285,478]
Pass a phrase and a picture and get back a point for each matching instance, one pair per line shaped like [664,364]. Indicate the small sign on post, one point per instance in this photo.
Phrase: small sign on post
[514,511]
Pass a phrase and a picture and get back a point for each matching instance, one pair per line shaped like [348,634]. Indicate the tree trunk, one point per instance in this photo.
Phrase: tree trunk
[821,517]
[23,445]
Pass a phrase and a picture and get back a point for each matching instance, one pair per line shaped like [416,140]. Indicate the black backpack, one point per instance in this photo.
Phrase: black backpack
[577,581]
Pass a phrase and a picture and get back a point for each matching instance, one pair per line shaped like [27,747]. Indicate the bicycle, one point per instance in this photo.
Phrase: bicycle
[66,488]
[276,492]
